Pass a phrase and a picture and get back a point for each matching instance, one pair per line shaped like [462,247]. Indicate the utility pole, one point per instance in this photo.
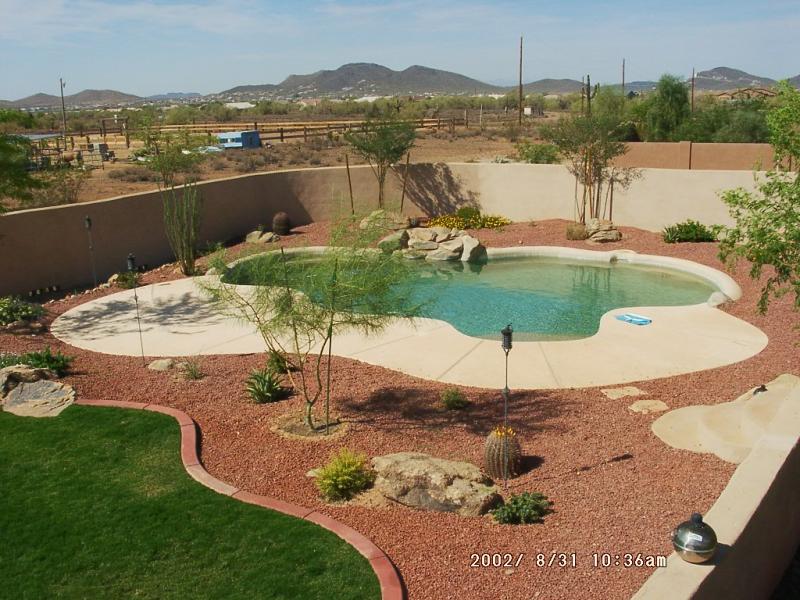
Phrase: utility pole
[623,78]
[692,89]
[520,80]
[62,85]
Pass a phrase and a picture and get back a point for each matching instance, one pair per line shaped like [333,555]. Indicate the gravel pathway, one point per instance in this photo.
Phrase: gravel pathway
[571,437]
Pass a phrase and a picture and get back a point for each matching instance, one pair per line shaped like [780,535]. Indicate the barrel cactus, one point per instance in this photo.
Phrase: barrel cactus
[281,223]
[502,455]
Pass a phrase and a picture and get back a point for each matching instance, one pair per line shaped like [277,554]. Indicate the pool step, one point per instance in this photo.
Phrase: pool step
[728,430]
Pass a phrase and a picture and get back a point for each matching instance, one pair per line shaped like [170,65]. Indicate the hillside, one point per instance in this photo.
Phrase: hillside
[725,78]
[86,98]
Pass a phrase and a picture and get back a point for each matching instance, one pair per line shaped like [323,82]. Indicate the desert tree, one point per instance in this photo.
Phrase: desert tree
[16,181]
[382,143]
[300,301]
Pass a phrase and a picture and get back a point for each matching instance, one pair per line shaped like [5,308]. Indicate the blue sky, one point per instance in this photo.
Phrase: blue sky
[153,46]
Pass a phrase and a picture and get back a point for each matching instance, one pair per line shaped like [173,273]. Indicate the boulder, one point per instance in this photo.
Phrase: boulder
[24,327]
[443,254]
[411,254]
[442,234]
[473,250]
[384,220]
[422,233]
[261,237]
[429,483]
[394,241]
[41,398]
[113,279]
[162,364]
[417,244]
[455,245]
[12,376]
[602,230]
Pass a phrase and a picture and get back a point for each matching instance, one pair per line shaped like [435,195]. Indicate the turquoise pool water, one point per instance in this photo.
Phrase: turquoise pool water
[543,298]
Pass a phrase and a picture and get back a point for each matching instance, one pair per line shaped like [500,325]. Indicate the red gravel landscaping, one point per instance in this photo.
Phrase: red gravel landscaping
[570,436]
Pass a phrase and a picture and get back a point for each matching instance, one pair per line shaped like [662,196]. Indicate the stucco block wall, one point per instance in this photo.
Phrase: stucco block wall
[49,246]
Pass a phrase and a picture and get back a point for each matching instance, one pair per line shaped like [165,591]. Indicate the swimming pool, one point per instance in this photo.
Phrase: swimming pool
[545,298]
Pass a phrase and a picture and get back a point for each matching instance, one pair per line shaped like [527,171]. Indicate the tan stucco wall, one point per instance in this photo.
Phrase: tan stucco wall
[49,246]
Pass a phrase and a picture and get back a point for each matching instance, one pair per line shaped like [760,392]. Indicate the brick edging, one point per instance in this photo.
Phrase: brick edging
[384,569]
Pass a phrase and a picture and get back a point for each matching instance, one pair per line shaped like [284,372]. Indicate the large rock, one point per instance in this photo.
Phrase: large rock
[41,398]
[442,233]
[25,327]
[456,245]
[161,364]
[430,483]
[422,233]
[12,376]
[394,241]
[473,250]
[417,244]
[384,219]
[261,237]
[443,254]
[601,230]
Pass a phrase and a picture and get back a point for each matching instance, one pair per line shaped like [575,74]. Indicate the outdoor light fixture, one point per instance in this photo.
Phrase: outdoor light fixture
[507,332]
[88,224]
[132,270]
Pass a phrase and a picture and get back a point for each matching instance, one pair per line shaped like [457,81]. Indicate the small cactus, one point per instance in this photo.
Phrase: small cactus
[502,455]
[281,224]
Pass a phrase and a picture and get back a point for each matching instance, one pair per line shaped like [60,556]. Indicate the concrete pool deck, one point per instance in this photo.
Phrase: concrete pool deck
[177,320]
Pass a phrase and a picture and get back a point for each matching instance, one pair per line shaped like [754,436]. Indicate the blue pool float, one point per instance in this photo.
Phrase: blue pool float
[634,319]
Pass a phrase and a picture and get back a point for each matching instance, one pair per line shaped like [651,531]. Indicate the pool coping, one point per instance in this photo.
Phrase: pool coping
[387,573]
[680,339]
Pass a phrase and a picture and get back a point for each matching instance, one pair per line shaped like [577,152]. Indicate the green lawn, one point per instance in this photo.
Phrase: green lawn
[95,503]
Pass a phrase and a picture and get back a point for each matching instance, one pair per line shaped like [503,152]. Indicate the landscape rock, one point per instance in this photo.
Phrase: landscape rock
[422,233]
[442,234]
[13,375]
[113,279]
[473,251]
[394,241]
[385,220]
[23,327]
[429,483]
[443,254]
[162,364]
[412,254]
[41,398]
[417,244]
[648,406]
[622,392]
[602,230]
[261,237]
[456,245]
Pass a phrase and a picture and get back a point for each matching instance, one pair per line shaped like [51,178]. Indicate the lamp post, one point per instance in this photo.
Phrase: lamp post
[508,333]
[88,223]
[132,270]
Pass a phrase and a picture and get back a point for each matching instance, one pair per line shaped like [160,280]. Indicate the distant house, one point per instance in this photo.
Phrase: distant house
[239,105]
[240,139]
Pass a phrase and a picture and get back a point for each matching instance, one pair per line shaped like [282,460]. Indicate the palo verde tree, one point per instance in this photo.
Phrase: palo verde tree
[767,231]
[382,143]
[175,157]
[300,301]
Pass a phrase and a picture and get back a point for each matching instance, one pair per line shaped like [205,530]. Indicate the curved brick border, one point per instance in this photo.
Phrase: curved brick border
[388,576]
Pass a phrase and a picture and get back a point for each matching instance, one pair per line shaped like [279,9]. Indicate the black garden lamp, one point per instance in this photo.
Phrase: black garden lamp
[508,333]
[87,222]
[132,271]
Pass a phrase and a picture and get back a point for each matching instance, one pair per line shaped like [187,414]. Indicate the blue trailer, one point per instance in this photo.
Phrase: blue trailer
[239,139]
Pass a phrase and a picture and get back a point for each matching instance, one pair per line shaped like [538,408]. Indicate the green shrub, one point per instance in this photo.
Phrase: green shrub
[15,309]
[128,279]
[454,399]
[543,154]
[522,509]
[42,359]
[344,476]
[690,231]
[192,369]
[133,174]
[577,231]
[265,386]
[468,213]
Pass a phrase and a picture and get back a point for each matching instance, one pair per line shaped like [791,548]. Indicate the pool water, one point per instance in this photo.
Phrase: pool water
[547,298]
[544,298]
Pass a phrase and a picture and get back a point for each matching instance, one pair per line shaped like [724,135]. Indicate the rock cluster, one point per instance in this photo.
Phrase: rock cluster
[384,219]
[261,237]
[429,483]
[602,230]
[24,327]
[28,392]
[434,244]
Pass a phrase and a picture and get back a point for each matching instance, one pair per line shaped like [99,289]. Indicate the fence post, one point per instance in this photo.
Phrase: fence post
[305,133]
[281,132]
